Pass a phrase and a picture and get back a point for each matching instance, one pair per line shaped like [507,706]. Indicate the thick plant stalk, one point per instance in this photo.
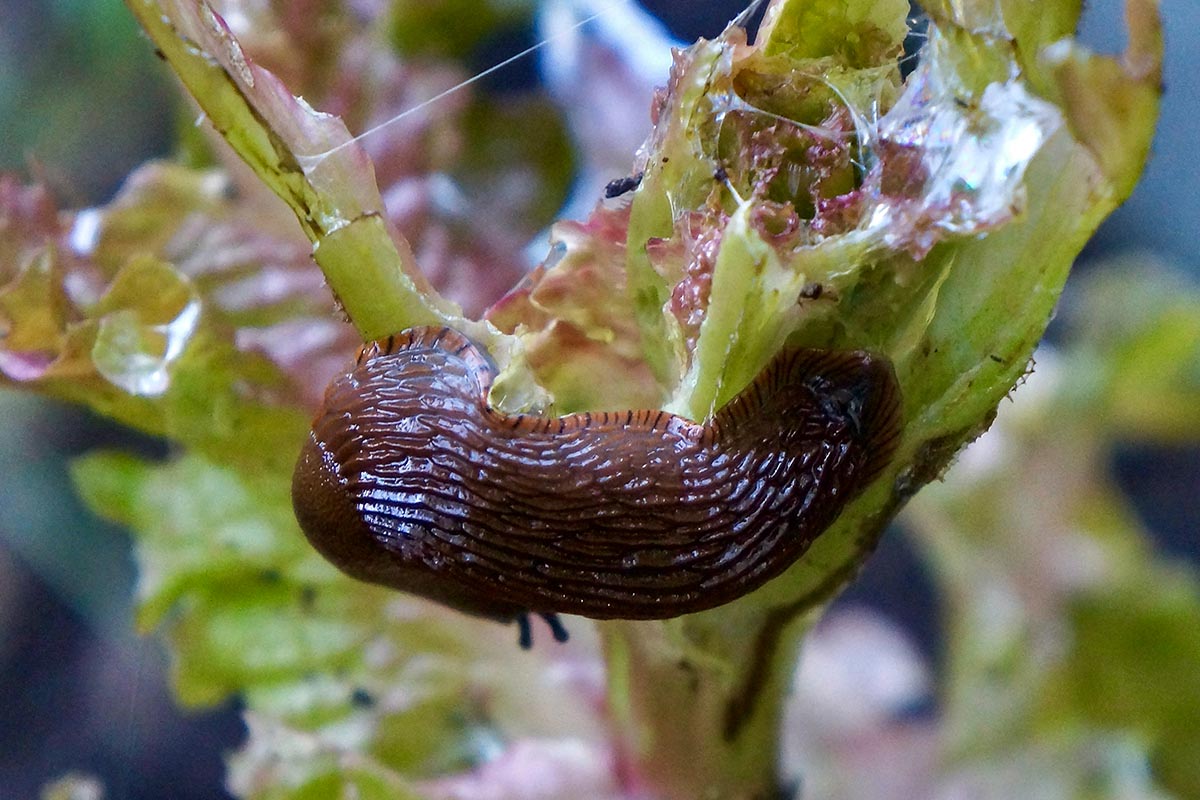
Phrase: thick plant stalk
[701,698]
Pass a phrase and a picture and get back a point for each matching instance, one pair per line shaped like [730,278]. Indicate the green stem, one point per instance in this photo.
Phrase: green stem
[309,161]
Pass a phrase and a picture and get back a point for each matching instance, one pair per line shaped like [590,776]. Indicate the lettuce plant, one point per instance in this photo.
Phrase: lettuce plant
[814,187]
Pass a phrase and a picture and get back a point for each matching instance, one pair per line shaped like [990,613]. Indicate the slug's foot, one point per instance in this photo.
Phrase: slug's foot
[552,621]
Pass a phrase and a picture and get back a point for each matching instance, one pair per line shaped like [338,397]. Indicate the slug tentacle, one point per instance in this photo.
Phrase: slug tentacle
[412,480]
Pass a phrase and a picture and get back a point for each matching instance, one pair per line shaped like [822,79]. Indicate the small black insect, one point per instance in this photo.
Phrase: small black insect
[621,186]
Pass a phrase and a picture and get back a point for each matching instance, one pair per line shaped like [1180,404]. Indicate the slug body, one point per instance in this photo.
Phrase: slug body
[410,479]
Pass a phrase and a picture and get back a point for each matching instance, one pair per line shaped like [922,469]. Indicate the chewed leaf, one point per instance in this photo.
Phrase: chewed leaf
[796,189]
[949,163]
[576,322]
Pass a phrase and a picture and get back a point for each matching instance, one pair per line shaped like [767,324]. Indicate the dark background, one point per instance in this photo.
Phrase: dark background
[82,101]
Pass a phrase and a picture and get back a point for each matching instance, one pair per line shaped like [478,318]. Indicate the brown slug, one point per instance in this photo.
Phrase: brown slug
[410,479]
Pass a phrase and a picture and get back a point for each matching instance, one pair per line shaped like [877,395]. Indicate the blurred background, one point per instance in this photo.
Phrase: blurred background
[82,102]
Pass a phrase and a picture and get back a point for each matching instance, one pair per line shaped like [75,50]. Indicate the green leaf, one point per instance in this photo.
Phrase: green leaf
[1136,328]
[233,635]
[284,764]
[337,674]
[1134,665]
[512,142]
[1064,627]
[199,525]
[452,28]
[854,34]
[138,313]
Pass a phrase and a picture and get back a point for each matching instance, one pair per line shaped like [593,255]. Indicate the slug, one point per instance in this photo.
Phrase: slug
[411,480]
